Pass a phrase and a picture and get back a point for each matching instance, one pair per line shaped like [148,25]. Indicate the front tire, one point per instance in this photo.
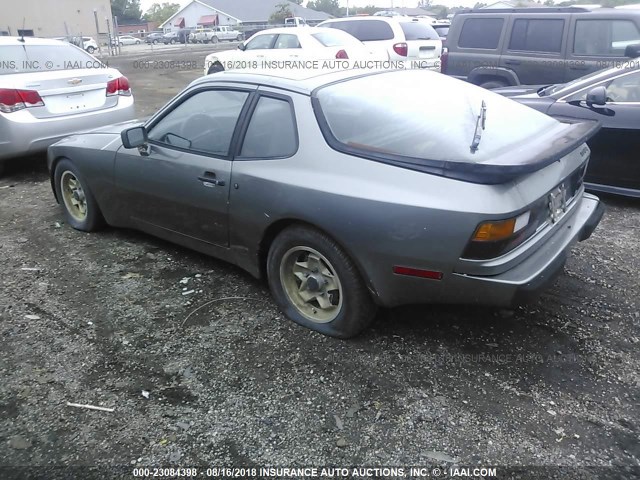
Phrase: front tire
[214,39]
[215,68]
[80,207]
[317,285]
[240,38]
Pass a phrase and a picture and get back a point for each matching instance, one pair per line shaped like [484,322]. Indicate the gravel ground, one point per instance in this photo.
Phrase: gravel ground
[219,377]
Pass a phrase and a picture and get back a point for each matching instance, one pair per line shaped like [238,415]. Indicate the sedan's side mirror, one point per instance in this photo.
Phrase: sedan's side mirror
[632,51]
[134,137]
[241,47]
[597,96]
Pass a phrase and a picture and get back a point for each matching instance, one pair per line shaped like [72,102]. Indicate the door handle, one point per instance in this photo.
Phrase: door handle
[512,62]
[209,180]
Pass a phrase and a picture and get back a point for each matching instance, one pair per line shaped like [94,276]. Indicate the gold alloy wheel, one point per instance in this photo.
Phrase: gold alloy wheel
[73,196]
[311,284]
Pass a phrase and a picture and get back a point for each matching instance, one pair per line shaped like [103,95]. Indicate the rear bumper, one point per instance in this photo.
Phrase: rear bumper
[528,279]
[517,285]
[22,134]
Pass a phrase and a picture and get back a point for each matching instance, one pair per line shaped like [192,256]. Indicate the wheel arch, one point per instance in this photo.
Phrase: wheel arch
[482,74]
[275,228]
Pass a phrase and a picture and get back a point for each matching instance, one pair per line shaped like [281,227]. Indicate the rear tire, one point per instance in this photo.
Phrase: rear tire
[317,285]
[80,208]
[493,84]
[240,38]
[90,50]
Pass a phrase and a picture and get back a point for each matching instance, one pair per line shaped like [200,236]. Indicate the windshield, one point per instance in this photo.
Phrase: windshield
[43,58]
[404,113]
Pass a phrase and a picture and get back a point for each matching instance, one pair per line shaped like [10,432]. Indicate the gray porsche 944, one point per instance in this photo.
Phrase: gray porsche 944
[345,190]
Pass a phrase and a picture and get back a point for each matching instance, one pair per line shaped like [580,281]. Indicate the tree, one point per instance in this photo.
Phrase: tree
[161,12]
[332,7]
[282,11]
[299,2]
[126,9]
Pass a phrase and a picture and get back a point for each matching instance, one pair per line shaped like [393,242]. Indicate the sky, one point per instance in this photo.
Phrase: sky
[145,4]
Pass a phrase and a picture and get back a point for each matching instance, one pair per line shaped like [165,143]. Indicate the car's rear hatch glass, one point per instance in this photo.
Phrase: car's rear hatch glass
[427,121]
[422,40]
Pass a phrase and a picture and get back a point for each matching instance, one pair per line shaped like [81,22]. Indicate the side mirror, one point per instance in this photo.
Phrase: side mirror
[632,51]
[134,137]
[241,47]
[597,96]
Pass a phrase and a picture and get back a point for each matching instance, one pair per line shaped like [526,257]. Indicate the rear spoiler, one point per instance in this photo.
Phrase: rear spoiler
[502,168]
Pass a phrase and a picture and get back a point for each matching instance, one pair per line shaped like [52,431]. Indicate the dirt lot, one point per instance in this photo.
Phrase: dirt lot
[101,319]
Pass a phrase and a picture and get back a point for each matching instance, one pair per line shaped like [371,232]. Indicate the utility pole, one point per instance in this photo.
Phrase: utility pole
[95,16]
[347,8]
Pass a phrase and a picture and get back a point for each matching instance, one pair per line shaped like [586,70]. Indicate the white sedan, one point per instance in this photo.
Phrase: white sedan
[271,48]
[128,40]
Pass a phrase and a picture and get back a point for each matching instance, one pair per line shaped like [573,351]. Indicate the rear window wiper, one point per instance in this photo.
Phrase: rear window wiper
[480,125]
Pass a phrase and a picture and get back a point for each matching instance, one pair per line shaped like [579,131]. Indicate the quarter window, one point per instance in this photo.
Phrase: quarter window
[534,35]
[481,33]
[204,122]
[604,37]
[272,130]
[365,30]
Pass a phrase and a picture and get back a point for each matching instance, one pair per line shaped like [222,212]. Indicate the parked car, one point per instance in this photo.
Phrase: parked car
[612,97]
[127,40]
[50,89]
[154,37]
[403,38]
[86,43]
[170,38]
[290,43]
[200,35]
[532,46]
[341,192]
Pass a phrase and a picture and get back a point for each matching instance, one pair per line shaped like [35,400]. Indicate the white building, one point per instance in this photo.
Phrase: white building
[234,12]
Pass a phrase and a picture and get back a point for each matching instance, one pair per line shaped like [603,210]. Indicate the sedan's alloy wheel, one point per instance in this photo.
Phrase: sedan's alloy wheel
[73,196]
[311,284]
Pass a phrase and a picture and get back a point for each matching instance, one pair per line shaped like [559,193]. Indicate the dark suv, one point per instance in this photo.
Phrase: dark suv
[532,46]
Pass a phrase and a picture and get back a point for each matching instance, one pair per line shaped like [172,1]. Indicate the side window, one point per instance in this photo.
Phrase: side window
[287,41]
[604,37]
[260,42]
[272,130]
[373,30]
[204,122]
[624,89]
[532,35]
[481,33]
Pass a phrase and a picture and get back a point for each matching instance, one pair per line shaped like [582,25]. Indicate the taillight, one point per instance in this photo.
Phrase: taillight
[342,55]
[444,61]
[118,86]
[401,49]
[13,100]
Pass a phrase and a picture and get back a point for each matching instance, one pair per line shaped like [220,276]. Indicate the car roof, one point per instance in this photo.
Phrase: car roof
[296,80]
[296,30]
[369,18]
[29,41]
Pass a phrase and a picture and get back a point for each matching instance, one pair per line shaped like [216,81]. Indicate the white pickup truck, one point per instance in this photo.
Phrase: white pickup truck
[216,34]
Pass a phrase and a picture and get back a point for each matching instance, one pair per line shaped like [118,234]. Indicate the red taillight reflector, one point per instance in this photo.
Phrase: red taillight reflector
[118,86]
[342,55]
[416,272]
[444,60]
[401,49]
[13,100]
